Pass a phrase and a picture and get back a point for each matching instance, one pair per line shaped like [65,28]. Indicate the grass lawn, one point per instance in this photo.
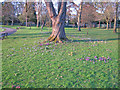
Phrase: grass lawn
[87,61]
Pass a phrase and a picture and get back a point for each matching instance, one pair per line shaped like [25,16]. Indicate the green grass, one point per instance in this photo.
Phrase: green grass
[27,64]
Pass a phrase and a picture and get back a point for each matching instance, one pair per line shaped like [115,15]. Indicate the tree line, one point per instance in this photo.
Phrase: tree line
[46,14]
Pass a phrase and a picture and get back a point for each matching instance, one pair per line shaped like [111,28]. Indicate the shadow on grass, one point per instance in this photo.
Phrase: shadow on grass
[96,40]
[32,35]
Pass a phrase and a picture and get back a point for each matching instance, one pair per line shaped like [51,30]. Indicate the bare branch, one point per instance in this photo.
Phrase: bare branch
[51,9]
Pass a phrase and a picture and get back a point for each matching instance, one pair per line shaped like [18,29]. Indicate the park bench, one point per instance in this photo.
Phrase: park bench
[3,35]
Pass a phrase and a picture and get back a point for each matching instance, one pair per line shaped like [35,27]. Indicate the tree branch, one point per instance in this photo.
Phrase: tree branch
[51,9]
[59,6]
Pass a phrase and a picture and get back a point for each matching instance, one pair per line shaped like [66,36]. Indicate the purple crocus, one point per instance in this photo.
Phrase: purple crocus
[13,86]
[18,87]
[108,57]
[87,59]
[47,44]
[81,59]
[95,57]
[41,44]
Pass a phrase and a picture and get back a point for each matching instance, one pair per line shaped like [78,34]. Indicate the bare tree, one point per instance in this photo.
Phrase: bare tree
[79,15]
[28,16]
[78,8]
[38,9]
[115,18]
[8,12]
[88,14]
[109,14]
[58,21]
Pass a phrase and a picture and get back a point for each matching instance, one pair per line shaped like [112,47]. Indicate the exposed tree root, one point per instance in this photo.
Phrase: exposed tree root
[56,39]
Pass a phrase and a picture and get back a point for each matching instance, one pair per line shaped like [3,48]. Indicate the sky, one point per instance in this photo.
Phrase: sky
[76,1]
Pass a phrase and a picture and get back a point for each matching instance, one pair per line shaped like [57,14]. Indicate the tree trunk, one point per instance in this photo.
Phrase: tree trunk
[12,23]
[26,13]
[110,25]
[115,20]
[99,23]
[37,20]
[58,21]
[79,16]
[107,25]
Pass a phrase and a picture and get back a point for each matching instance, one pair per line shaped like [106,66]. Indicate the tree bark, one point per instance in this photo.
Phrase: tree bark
[12,22]
[58,21]
[107,25]
[110,25]
[37,20]
[115,19]
[26,13]
[79,16]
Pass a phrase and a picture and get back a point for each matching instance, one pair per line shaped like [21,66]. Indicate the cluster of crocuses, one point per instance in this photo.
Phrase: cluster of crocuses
[13,86]
[47,44]
[96,59]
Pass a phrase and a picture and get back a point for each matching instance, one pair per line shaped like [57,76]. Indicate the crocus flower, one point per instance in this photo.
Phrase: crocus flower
[47,44]
[87,59]
[13,86]
[18,87]
[81,59]
[41,44]
[95,57]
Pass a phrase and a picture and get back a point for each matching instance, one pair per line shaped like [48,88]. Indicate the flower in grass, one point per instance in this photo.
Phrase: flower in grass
[95,57]
[93,62]
[108,58]
[81,59]
[87,59]
[18,87]
[13,86]
[41,44]
[105,61]
[104,58]
[47,44]
[55,44]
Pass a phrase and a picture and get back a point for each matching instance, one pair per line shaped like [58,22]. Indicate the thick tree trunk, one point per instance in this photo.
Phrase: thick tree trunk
[58,32]
[58,21]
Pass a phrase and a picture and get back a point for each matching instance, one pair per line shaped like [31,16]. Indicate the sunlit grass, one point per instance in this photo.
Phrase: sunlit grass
[27,63]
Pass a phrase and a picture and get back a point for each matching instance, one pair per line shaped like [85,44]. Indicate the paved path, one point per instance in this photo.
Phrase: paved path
[9,31]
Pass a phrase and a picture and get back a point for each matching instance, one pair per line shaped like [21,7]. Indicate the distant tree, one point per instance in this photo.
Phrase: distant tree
[88,14]
[116,16]
[100,8]
[8,12]
[78,8]
[31,15]
[38,9]
[109,14]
